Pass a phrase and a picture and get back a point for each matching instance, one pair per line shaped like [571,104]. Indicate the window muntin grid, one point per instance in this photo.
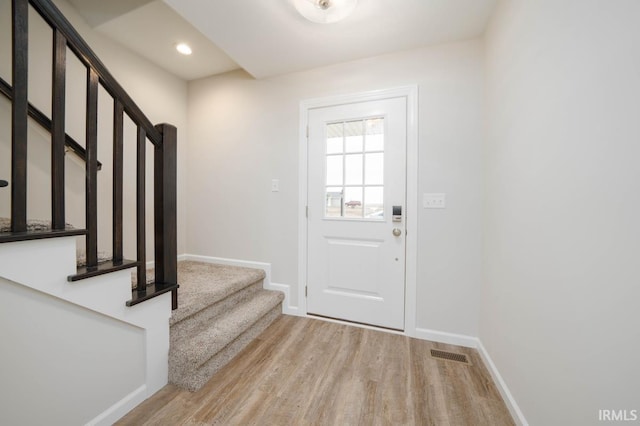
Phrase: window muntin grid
[354,169]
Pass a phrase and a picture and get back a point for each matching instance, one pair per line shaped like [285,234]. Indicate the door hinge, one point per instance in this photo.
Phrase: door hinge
[307,132]
[306,211]
[305,291]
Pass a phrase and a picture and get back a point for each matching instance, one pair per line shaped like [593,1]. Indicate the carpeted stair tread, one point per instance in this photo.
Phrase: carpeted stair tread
[209,315]
[189,351]
[32,225]
[204,284]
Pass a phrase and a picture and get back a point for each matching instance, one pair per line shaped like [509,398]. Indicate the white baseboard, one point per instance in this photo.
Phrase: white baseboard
[508,398]
[152,263]
[266,267]
[120,408]
[474,342]
[444,337]
[287,308]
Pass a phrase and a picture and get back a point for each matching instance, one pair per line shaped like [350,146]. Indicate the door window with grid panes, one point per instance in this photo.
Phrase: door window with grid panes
[355,169]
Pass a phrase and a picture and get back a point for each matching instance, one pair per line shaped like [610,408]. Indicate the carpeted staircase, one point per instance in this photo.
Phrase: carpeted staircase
[221,309]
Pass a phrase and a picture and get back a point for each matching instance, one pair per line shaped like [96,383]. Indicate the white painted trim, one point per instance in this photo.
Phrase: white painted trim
[372,95]
[411,94]
[287,307]
[411,271]
[444,337]
[508,398]
[303,163]
[120,408]
[152,263]
[266,267]
[286,304]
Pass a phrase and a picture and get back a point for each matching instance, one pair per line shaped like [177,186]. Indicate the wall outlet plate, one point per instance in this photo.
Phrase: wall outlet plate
[275,185]
[434,201]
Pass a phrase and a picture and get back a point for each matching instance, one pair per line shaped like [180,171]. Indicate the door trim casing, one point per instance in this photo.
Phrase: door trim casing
[410,93]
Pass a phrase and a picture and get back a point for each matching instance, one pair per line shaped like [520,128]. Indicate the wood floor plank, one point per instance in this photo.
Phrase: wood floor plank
[303,371]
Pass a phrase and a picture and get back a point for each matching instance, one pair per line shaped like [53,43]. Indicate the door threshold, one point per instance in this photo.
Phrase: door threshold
[357,324]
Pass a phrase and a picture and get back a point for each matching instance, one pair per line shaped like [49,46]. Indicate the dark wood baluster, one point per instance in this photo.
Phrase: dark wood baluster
[165,208]
[141,210]
[118,161]
[48,10]
[38,116]
[91,166]
[19,107]
[58,135]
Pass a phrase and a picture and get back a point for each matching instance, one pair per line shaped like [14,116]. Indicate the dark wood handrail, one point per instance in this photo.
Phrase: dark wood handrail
[44,121]
[76,43]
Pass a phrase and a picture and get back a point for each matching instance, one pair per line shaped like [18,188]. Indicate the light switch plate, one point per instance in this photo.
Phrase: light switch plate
[434,201]
[275,185]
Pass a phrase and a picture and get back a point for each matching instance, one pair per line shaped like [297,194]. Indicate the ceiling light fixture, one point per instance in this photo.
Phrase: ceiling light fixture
[325,11]
[183,48]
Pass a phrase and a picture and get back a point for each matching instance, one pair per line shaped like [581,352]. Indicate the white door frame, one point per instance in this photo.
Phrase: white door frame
[411,95]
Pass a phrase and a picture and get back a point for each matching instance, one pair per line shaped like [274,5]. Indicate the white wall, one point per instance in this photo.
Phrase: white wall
[62,364]
[244,132]
[160,95]
[73,352]
[559,312]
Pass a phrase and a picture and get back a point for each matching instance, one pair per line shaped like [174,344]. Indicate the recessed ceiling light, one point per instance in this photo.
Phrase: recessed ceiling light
[183,48]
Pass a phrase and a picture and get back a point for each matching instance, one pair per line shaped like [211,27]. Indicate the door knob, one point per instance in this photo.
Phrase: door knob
[3,183]
[397,232]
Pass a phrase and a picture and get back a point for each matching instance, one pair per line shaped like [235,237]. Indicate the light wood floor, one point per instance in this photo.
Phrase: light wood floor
[309,372]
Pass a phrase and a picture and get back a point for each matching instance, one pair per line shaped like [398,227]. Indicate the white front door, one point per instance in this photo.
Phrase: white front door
[356,212]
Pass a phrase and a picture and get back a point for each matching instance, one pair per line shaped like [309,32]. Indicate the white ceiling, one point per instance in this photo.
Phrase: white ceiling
[96,12]
[153,30]
[269,37]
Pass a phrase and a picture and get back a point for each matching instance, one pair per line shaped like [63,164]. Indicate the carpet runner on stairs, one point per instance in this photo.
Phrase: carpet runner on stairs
[221,309]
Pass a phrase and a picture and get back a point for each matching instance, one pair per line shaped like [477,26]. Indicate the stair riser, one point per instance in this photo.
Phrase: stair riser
[198,378]
[186,326]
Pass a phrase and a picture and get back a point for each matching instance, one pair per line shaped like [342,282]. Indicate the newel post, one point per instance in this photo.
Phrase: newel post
[165,215]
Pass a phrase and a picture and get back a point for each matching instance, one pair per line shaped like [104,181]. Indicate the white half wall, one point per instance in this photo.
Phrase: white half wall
[244,132]
[61,363]
[559,312]
[73,352]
